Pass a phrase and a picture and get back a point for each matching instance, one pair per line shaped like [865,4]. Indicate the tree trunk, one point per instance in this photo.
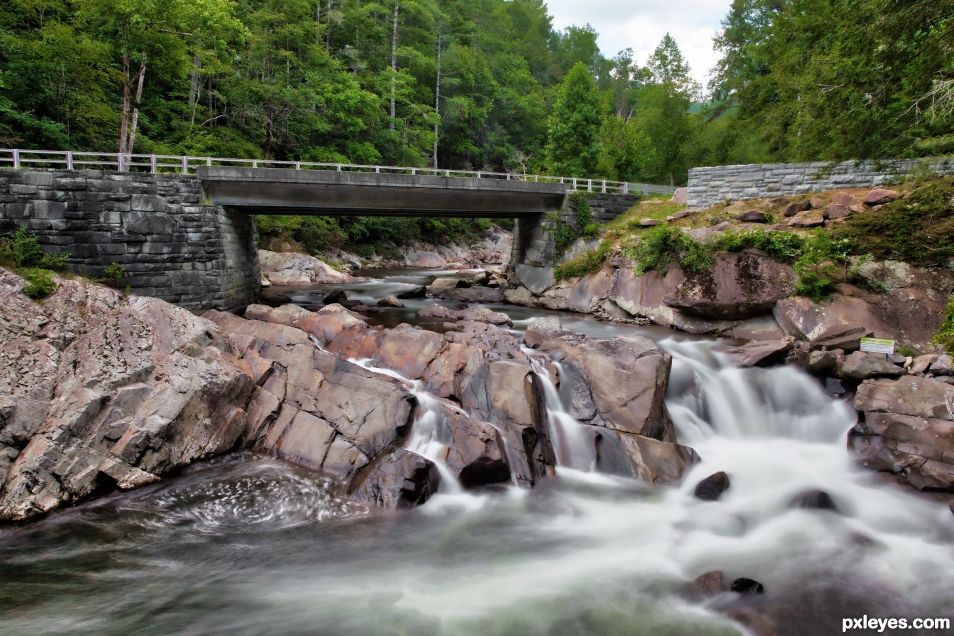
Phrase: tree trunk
[394,48]
[437,100]
[124,121]
[328,27]
[318,20]
[194,88]
[135,108]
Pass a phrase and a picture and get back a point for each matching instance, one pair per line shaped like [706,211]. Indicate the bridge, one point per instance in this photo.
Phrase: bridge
[182,226]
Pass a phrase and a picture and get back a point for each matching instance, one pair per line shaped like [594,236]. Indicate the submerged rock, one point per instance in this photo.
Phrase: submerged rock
[396,479]
[712,487]
[815,499]
[746,586]
[390,301]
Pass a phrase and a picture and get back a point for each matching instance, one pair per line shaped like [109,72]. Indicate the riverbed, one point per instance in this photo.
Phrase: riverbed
[251,545]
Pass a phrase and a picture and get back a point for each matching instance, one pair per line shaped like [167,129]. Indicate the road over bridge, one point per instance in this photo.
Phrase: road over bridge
[183,230]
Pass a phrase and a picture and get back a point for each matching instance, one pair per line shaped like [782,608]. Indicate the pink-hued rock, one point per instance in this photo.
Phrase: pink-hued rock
[879,196]
[908,430]
[290,269]
[100,389]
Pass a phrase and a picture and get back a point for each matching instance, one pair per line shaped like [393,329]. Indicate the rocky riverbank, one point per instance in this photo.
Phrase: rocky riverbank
[104,390]
[290,268]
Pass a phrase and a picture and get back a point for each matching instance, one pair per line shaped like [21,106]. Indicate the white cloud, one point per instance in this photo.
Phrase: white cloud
[641,24]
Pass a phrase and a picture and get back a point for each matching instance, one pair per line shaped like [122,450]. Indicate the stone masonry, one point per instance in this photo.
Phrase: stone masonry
[534,247]
[709,186]
[170,242]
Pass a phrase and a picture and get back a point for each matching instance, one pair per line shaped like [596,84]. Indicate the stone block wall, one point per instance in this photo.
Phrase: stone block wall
[534,246]
[171,244]
[709,186]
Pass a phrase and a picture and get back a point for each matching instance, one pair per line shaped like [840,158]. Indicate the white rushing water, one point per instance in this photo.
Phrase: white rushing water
[582,554]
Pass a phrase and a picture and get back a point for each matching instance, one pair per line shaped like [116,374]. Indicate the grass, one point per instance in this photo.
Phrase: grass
[20,252]
[663,245]
[945,335]
[589,262]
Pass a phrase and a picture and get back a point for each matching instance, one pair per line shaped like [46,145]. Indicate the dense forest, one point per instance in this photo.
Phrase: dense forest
[484,84]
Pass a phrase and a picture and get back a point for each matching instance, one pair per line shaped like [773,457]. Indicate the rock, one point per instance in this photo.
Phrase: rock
[754,216]
[844,199]
[648,223]
[390,301]
[836,211]
[476,452]
[540,329]
[102,390]
[835,387]
[825,361]
[290,269]
[921,364]
[413,294]
[711,583]
[879,196]
[762,353]
[712,487]
[794,208]
[908,430]
[944,365]
[442,285]
[536,279]
[814,499]
[817,203]
[747,587]
[336,297]
[471,314]
[680,196]
[861,366]
[681,214]
[838,324]
[809,218]
[738,285]
[397,479]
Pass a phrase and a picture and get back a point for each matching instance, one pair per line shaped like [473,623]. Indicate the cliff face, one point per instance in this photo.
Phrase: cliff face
[100,389]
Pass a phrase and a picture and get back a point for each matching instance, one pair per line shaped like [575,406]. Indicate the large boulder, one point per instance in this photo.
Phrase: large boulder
[908,430]
[99,390]
[290,269]
[739,285]
[838,324]
[861,366]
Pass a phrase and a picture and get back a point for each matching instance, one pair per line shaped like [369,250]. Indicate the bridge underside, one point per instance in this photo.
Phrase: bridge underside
[329,193]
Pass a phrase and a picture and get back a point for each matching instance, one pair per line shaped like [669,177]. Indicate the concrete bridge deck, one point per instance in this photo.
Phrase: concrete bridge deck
[329,193]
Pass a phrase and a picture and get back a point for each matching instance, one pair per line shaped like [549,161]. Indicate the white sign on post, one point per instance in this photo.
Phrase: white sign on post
[877,345]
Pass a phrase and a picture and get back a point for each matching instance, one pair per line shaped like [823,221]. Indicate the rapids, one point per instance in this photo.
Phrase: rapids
[250,545]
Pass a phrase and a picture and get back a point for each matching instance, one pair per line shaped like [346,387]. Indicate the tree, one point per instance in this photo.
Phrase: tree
[574,125]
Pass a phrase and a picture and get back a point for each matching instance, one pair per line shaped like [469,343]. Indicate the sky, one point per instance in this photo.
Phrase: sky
[641,24]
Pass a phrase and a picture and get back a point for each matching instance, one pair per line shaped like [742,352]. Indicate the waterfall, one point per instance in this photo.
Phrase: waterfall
[574,446]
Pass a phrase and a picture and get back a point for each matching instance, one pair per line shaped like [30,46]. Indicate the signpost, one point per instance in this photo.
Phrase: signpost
[876,345]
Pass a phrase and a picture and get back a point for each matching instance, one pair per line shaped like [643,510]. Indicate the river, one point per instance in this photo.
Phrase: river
[250,545]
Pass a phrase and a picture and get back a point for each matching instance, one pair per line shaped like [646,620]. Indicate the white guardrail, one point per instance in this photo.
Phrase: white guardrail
[155,164]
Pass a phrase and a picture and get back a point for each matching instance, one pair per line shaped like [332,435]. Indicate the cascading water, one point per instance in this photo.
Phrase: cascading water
[429,432]
[578,555]
[574,448]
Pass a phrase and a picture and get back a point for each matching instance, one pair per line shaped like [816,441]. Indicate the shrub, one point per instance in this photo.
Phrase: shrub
[781,246]
[114,273]
[663,245]
[918,229]
[945,336]
[39,283]
[20,249]
[589,262]
[818,263]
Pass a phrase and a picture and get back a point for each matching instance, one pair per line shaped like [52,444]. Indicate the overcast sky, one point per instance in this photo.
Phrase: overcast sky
[641,24]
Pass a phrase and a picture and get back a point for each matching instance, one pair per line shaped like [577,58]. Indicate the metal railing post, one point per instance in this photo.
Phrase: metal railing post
[297,165]
[254,163]
[604,186]
[589,185]
[185,165]
[120,163]
[69,159]
[152,164]
[625,188]
[16,158]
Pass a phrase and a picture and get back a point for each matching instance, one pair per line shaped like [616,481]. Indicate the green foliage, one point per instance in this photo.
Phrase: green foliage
[39,283]
[20,249]
[945,335]
[114,273]
[589,262]
[784,247]
[818,264]
[565,233]
[918,228]
[574,127]
[663,245]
